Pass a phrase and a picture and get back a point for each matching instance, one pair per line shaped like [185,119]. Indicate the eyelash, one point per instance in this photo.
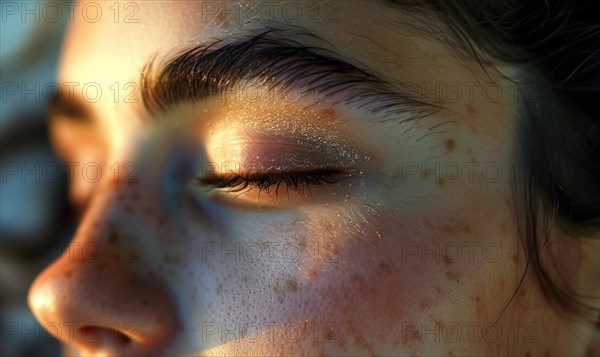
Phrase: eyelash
[273,180]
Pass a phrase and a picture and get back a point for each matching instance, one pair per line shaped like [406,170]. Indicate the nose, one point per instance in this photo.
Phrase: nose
[101,299]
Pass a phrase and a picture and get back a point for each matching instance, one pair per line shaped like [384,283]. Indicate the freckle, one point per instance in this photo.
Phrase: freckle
[302,242]
[515,259]
[446,228]
[471,108]
[328,114]
[161,220]
[416,336]
[450,144]
[313,275]
[503,227]
[522,294]
[440,181]
[361,342]
[425,304]
[330,333]
[447,259]
[385,267]
[501,282]
[466,227]
[68,273]
[451,275]
[136,196]
[291,285]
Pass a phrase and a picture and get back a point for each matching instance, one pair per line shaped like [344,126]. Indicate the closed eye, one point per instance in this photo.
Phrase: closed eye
[271,182]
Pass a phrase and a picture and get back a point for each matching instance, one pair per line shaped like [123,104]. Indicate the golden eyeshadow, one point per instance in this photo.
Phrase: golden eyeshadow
[287,138]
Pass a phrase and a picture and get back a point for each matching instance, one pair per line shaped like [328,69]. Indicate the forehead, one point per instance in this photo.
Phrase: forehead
[115,39]
[112,48]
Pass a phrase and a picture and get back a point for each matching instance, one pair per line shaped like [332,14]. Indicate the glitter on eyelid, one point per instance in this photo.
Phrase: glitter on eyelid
[305,138]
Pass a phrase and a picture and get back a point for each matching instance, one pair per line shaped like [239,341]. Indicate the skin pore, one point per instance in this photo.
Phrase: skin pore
[409,248]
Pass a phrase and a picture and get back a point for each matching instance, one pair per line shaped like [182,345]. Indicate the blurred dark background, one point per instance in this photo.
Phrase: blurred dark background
[36,221]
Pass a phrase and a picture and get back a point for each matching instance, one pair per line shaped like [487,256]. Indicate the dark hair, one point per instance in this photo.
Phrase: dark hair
[557,44]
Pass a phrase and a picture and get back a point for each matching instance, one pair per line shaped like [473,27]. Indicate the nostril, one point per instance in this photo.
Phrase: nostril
[100,337]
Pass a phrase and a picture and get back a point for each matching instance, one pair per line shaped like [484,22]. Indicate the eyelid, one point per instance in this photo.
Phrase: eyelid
[274,151]
[266,151]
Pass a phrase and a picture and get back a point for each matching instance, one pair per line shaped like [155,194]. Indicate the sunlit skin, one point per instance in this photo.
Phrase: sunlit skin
[391,259]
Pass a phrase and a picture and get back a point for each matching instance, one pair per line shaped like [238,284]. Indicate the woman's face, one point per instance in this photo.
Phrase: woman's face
[368,211]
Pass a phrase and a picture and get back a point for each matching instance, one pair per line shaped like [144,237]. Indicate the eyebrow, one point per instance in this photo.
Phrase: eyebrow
[276,58]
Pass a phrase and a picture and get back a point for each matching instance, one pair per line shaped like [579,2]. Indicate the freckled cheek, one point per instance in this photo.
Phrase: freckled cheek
[352,282]
[364,281]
